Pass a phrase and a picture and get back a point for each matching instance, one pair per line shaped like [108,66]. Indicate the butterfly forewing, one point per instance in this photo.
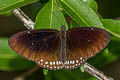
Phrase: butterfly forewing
[45,48]
[83,43]
[41,46]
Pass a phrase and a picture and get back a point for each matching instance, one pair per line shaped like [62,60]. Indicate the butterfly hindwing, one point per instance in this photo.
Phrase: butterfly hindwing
[83,43]
[41,46]
[45,48]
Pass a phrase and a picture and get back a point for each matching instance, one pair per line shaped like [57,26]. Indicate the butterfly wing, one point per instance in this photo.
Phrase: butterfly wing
[41,46]
[83,43]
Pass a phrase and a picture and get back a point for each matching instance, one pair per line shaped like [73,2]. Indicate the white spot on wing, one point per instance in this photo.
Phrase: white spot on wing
[66,62]
[41,60]
[81,58]
[54,66]
[51,63]
[71,62]
[46,62]
[77,61]
[67,67]
[105,38]
[88,40]
[81,61]
[73,66]
[57,62]
[41,64]
[92,28]
[50,67]
[32,43]
[47,66]
[58,67]
[60,62]
[28,32]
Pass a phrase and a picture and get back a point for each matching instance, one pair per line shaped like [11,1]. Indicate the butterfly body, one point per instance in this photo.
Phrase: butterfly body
[54,50]
[63,43]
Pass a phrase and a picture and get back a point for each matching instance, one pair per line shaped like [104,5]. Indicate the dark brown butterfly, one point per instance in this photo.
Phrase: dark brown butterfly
[54,50]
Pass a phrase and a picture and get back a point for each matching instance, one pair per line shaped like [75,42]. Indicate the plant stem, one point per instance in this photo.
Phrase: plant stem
[30,25]
[27,73]
[24,18]
[94,72]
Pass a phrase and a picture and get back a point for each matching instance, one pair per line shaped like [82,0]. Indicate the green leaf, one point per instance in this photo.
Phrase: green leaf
[50,17]
[102,59]
[82,68]
[112,26]
[7,5]
[45,72]
[9,60]
[91,3]
[73,24]
[81,13]
[114,46]
[75,74]
[106,51]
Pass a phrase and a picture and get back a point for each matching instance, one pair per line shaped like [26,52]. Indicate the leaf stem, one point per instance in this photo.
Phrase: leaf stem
[24,18]
[96,73]
[27,73]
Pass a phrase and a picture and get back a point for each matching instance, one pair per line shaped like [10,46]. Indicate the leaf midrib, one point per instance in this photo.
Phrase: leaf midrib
[76,13]
[51,15]
[12,4]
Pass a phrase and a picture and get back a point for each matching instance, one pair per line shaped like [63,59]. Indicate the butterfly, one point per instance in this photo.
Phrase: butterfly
[53,50]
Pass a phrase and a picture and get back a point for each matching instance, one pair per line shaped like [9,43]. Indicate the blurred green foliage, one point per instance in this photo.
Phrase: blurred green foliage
[52,14]
[9,60]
